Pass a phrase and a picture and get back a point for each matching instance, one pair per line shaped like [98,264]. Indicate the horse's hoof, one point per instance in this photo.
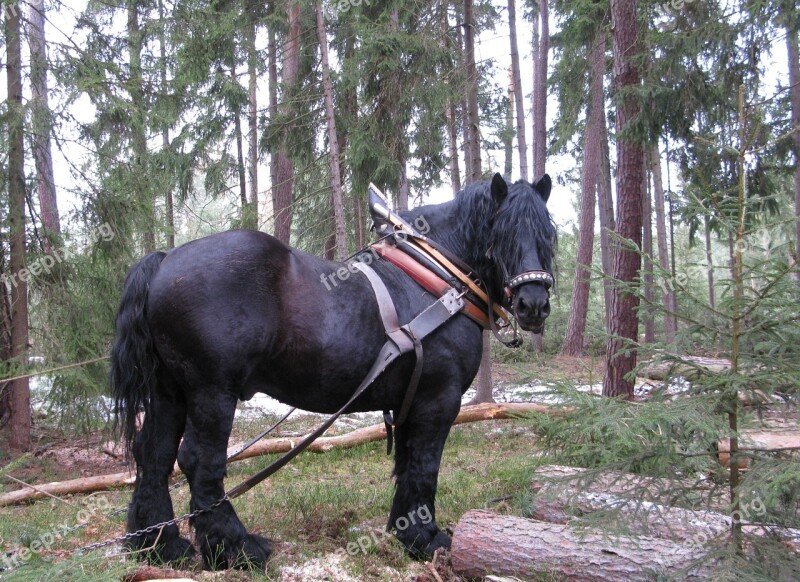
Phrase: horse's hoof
[177,550]
[174,551]
[422,544]
[252,552]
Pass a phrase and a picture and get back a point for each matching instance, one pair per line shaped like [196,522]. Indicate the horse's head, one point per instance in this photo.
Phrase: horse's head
[521,247]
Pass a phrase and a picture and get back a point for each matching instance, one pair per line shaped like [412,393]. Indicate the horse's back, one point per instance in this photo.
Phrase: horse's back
[217,300]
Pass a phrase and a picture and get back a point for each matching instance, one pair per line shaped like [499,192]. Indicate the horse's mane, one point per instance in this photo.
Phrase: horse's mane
[477,227]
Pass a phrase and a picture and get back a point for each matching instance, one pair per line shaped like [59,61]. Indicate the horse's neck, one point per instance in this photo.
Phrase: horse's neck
[439,222]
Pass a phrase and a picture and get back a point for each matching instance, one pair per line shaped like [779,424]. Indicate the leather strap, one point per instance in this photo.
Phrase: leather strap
[428,280]
[433,317]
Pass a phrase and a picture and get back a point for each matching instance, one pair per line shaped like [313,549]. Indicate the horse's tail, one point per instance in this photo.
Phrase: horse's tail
[133,358]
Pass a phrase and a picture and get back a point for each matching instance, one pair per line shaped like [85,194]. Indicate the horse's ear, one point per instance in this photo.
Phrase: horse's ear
[543,186]
[499,190]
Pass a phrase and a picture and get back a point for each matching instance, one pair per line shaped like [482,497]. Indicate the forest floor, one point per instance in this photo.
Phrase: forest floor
[325,512]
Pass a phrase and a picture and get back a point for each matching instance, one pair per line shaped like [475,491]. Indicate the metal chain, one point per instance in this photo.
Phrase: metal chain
[152,528]
[180,483]
[163,524]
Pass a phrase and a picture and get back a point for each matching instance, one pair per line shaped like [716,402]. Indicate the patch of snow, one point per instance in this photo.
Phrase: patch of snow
[327,567]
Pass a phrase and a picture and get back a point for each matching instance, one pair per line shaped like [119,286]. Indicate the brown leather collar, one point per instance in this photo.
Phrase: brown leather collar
[430,281]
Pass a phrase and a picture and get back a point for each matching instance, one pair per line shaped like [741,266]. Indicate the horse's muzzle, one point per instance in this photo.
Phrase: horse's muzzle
[531,306]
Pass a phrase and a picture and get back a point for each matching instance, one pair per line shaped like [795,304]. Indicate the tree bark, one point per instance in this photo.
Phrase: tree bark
[567,505]
[252,114]
[670,322]
[240,169]
[473,151]
[794,97]
[508,136]
[452,143]
[628,485]
[282,198]
[483,380]
[272,81]
[522,143]
[169,202]
[605,204]
[540,93]
[40,110]
[590,173]
[20,421]
[333,141]
[647,257]
[623,325]
[487,543]
[5,340]
[473,143]
[712,302]
[140,161]
[377,432]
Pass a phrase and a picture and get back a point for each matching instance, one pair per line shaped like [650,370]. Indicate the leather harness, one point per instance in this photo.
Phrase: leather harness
[439,273]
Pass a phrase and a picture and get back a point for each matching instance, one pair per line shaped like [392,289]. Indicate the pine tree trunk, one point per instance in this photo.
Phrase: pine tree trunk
[623,324]
[508,135]
[712,302]
[282,198]
[140,160]
[463,105]
[579,302]
[20,421]
[522,144]
[333,141]
[252,115]
[535,25]
[539,113]
[540,93]
[5,341]
[670,324]
[40,109]
[794,97]
[272,81]
[483,381]
[403,185]
[452,143]
[473,154]
[474,143]
[240,169]
[605,201]
[647,251]
[169,203]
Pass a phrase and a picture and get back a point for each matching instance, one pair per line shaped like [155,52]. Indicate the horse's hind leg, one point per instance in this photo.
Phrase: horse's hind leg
[419,445]
[223,540]
[154,449]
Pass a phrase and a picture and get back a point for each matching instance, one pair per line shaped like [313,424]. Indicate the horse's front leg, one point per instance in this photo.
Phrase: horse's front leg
[223,540]
[418,454]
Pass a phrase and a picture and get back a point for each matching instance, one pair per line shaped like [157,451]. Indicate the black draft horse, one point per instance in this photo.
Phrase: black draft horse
[223,317]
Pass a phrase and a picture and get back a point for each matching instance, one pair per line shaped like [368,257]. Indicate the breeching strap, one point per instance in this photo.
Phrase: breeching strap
[423,324]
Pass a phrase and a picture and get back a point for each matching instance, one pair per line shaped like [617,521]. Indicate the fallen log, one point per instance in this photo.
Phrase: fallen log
[70,487]
[690,493]
[359,436]
[487,543]
[565,502]
[689,367]
[763,440]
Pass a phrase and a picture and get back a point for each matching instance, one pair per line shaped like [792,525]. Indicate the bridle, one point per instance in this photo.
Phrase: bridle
[510,286]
